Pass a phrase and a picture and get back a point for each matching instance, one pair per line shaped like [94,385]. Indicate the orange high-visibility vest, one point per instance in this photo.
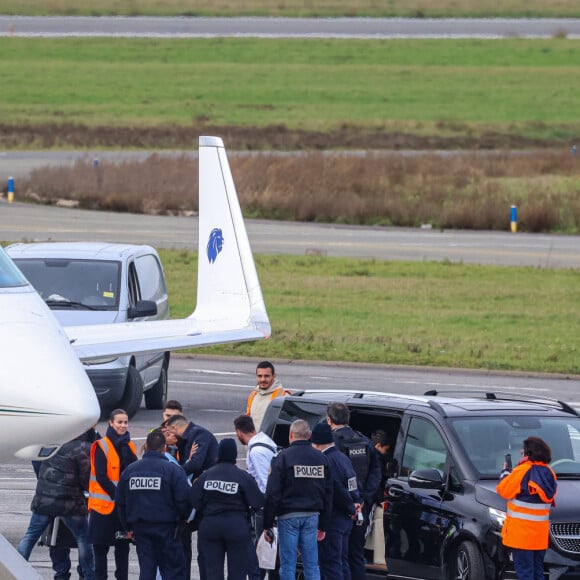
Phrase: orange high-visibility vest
[527,524]
[279,392]
[99,499]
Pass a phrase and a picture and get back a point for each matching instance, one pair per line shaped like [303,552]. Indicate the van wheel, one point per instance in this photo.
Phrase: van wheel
[468,563]
[156,397]
[133,394]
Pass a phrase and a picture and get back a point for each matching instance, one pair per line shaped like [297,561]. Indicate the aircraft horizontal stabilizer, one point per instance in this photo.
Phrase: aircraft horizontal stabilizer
[230,306]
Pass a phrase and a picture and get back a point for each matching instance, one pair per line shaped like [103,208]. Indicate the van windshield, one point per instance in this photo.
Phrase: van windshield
[67,284]
[487,440]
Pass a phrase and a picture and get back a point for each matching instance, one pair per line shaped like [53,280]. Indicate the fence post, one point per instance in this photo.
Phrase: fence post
[10,195]
[514,219]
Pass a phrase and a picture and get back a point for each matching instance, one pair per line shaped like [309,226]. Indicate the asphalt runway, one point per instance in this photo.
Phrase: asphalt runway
[214,391]
[21,222]
[30,26]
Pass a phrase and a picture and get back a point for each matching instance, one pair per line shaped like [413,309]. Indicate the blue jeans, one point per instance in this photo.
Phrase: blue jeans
[529,564]
[78,525]
[300,533]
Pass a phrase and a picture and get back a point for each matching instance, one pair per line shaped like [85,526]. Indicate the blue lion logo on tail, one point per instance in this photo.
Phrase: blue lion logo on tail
[215,244]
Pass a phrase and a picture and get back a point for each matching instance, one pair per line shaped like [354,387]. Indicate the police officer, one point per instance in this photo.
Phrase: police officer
[366,464]
[299,493]
[197,451]
[223,497]
[346,507]
[151,499]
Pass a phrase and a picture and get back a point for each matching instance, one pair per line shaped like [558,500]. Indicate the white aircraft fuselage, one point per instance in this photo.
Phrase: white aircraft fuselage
[46,396]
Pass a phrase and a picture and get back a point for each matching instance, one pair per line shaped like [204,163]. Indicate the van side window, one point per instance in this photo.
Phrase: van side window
[150,278]
[134,290]
[424,448]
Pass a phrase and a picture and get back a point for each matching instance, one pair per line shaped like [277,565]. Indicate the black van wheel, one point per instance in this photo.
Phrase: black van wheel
[468,563]
[133,394]
[156,396]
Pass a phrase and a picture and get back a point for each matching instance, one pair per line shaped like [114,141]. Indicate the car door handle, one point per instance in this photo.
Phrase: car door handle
[395,492]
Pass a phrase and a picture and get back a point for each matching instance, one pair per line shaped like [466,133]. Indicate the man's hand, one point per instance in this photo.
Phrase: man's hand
[194,448]
[269,535]
[320,535]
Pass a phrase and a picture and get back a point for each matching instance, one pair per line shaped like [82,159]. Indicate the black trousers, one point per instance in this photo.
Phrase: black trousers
[224,536]
[121,560]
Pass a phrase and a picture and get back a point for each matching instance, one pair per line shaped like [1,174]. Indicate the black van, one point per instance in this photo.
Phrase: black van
[443,518]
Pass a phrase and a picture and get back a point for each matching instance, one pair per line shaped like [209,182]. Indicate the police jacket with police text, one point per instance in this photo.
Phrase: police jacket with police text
[206,454]
[299,481]
[225,489]
[365,460]
[152,490]
[345,488]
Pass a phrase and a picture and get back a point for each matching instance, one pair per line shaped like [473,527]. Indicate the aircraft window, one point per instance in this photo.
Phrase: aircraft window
[10,275]
[74,284]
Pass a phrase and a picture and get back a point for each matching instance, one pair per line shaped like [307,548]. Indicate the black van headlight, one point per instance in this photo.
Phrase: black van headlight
[497,517]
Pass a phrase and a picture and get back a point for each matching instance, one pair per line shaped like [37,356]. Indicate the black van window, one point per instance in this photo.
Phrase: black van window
[292,410]
[424,448]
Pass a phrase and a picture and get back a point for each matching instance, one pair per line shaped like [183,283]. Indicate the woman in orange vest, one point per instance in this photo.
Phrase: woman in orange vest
[109,458]
[530,490]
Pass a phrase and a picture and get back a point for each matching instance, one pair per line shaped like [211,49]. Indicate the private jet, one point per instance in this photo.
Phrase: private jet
[46,396]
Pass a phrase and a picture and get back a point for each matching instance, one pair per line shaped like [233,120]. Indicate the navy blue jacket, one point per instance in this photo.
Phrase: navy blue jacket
[368,485]
[299,481]
[225,489]
[152,490]
[206,455]
[345,488]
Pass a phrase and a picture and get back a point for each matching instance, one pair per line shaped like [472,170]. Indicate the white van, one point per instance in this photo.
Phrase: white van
[99,283]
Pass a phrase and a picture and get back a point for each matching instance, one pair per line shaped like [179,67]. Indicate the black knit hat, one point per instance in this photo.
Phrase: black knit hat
[227,451]
[322,434]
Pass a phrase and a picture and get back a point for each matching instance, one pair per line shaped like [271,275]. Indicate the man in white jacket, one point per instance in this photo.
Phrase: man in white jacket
[261,450]
[268,388]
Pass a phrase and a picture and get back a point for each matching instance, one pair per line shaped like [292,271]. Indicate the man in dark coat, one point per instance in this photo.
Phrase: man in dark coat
[197,448]
[60,491]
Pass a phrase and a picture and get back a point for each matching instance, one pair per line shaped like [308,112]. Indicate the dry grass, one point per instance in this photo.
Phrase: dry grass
[471,191]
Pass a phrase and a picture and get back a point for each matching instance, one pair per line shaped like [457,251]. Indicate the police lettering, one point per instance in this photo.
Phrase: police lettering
[359,451]
[139,483]
[311,471]
[352,484]
[230,487]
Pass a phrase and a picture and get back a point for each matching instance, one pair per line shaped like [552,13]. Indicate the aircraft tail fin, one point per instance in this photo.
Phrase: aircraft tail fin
[230,306]
[227,282]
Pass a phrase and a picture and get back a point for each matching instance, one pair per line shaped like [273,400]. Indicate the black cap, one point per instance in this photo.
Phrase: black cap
[227,451]
[322,434]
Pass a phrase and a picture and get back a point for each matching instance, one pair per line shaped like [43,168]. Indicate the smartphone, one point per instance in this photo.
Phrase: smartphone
[508,460]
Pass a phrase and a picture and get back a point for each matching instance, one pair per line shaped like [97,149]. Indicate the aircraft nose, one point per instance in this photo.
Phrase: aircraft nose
[47,398]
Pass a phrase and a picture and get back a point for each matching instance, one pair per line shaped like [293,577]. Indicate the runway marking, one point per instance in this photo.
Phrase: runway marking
[212,372]
[248,387]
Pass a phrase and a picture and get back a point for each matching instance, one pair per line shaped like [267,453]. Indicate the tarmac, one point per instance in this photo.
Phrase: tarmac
[17,484]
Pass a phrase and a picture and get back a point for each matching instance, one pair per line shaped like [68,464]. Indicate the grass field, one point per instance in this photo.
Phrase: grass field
[455,88]
[439,314]
[414,8]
